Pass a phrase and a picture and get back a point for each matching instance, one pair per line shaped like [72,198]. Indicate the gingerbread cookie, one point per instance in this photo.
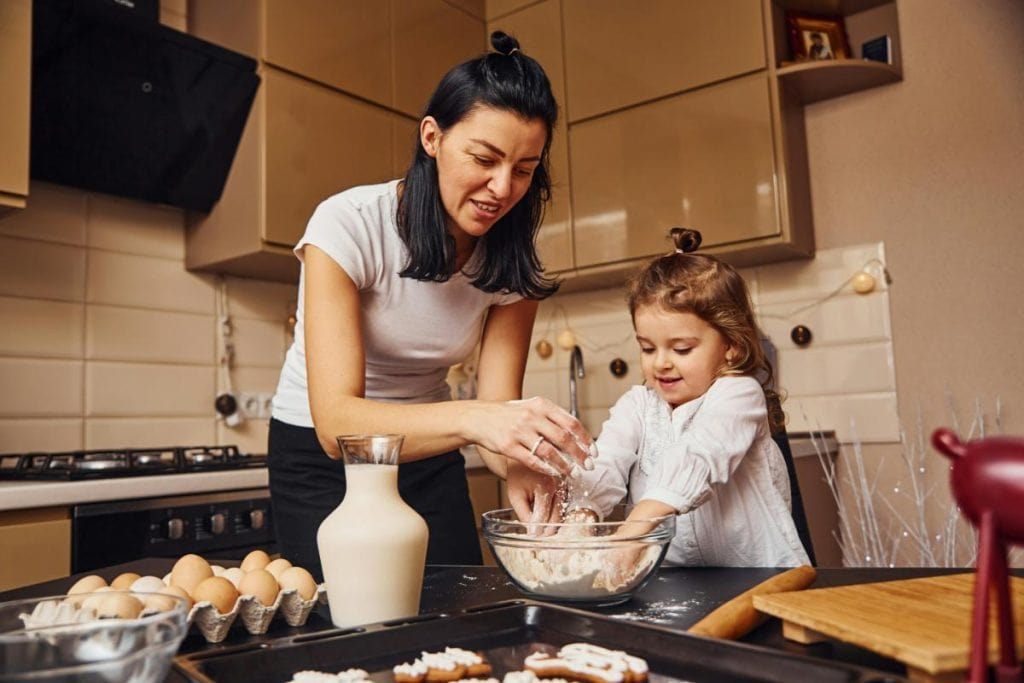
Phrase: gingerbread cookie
[347,676]
[410,672]
[636,669]
[588,663]
[474,662]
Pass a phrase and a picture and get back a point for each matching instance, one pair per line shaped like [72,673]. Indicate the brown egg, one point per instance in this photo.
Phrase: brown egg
[257,559]
[189,571]
[278,566]
[218,591]
[180,592]
[87,584]
[297,578]
[123,582]
[93,600]
[165,601]
[119,606]
[261,584]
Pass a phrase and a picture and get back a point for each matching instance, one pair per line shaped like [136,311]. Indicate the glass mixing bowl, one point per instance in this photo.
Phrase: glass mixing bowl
[58,638]
[598,563]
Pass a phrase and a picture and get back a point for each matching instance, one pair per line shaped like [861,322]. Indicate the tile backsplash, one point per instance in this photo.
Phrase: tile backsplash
[843,380]
[109,342]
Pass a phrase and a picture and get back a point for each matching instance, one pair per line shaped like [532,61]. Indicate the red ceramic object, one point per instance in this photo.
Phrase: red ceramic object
[988,484]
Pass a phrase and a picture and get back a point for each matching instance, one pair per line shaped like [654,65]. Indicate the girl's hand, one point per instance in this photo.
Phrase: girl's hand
[534,496]
[534,432]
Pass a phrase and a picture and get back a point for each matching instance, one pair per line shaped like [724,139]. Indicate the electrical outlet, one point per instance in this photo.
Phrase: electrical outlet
[266,404]
[249,404]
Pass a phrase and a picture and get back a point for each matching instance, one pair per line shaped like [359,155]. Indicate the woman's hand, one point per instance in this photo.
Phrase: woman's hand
[534,432]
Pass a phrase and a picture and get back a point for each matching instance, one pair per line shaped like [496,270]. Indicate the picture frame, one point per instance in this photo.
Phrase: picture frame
[816,38]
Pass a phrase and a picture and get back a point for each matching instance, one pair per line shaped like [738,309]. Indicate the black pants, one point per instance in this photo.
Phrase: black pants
[306,485]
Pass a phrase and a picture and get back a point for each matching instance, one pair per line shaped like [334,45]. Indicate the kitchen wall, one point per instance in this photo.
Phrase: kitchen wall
[108,341]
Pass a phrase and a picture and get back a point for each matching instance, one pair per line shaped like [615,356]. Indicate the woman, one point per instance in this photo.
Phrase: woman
[402,280]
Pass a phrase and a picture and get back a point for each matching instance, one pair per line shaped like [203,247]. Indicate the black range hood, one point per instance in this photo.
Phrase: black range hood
[124,105]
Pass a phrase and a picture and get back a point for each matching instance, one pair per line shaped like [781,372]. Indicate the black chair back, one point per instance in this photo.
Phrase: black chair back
[781,438]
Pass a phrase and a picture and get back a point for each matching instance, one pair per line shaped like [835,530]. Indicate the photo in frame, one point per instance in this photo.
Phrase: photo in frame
[816,38]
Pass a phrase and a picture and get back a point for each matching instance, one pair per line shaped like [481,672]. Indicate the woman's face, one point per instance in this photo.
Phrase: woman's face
[680,354]
[485,164]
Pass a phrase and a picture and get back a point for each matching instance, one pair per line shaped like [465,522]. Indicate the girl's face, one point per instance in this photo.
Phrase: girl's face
[680,354]
[485,165]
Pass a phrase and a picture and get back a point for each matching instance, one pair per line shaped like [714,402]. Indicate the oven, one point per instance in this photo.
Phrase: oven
[216,524]
[225,524]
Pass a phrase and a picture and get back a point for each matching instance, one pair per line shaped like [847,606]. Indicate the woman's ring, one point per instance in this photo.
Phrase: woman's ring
[536,445]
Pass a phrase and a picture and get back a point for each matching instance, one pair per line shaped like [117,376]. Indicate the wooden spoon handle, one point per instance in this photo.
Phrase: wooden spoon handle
[737,617]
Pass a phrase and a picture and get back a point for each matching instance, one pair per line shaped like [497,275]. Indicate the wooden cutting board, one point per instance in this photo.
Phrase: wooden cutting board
[924,623]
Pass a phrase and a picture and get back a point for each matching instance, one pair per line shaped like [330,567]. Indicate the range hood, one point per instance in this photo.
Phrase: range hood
[126,106]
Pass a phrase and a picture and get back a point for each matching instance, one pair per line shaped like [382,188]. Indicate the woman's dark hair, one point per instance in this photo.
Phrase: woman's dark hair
[506,80]
[712,290]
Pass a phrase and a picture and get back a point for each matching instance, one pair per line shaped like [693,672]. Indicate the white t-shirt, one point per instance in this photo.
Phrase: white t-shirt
[413,331]
[714,460]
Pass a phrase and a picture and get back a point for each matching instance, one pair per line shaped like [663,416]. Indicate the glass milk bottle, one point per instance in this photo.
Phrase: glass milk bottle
[373,546]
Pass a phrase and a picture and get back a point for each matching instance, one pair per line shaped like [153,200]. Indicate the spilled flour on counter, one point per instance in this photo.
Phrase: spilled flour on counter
[575,572]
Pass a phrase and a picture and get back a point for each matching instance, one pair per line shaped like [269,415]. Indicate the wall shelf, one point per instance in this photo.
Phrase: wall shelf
[815,81]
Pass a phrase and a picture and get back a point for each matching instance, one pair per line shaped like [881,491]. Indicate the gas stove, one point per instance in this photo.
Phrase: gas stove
[125,462]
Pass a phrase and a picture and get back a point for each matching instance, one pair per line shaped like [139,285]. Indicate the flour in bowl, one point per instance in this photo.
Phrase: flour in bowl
[577,571]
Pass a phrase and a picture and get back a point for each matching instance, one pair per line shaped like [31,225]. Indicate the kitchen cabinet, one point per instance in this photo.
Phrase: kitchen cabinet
[703,158]
[36,546]
[15,79]
[343,85]
[539,31]
[302,143]
[689,114]
[618,56]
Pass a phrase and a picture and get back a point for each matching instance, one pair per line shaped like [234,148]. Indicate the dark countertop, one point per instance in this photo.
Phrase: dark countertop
[676,598]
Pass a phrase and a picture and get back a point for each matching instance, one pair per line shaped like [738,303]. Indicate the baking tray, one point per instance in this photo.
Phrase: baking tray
[506,632]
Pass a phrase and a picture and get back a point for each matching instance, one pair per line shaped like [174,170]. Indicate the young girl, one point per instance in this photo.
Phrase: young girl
[694,440]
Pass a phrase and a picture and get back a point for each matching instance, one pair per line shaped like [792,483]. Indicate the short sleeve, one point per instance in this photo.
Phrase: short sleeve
[342,231]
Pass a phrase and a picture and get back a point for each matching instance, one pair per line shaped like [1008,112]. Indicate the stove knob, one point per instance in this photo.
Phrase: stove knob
[174,528]
[256,519]
[216,522]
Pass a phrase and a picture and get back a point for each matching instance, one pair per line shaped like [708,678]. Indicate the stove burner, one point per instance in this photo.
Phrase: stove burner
[98,464]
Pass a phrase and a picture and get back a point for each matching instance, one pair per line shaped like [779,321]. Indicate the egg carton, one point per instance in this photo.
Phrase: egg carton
[256,617]
[204,617]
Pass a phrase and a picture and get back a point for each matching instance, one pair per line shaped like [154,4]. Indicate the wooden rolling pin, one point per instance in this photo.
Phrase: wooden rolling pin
[737,617]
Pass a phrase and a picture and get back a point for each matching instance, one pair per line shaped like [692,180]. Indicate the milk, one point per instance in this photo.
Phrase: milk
[372,547]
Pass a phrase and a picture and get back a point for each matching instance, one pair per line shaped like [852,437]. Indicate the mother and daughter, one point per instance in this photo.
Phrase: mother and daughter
[401,280]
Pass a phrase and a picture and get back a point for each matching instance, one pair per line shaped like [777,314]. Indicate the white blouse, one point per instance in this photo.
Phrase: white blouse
[714,461]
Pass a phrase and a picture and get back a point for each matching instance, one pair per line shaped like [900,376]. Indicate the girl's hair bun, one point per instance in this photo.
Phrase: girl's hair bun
[685,239]
[504,43]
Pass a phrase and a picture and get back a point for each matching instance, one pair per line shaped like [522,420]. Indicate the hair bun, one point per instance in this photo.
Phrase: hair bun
[685,239]
[504,43]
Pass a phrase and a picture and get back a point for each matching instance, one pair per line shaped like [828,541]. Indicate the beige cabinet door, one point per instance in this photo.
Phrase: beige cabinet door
[429,38]
[36,546]
[318,142]
[703,159]
[619,54]
[346,45]
[538,28]
[15,76]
